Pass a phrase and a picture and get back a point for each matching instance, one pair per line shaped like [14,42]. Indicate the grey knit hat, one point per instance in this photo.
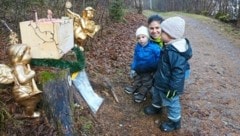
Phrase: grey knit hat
[174,26]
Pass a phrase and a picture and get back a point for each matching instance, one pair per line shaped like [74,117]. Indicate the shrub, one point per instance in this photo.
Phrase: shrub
[222,17]
[116,12]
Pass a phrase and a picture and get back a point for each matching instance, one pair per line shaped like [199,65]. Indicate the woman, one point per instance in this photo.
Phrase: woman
[154,28]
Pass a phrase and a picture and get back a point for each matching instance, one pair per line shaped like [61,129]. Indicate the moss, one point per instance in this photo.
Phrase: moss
[62,74]
[87,125]
[72,107]
[4,114]
[47,76]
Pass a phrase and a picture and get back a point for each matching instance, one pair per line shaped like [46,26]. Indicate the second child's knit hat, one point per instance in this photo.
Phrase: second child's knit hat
[174,26]
[142,30]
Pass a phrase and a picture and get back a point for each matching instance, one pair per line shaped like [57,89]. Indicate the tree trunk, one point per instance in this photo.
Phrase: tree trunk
[140,7]
[238,19]
[57,101]
[150,4]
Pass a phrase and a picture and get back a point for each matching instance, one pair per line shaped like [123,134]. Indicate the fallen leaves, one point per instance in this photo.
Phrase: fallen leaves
[114,49]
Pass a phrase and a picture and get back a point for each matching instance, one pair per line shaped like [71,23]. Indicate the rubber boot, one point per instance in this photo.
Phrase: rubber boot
[170,125]
[141,96]
[138,98]
[151,110]
[130,90]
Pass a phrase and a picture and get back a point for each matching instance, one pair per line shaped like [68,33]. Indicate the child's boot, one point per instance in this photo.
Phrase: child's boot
[141,96]
[138,98]
[170,125]
[131,90]
[151,110]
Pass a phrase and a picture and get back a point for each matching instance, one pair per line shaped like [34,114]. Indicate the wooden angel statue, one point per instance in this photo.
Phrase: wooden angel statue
[25,90]
[83,26]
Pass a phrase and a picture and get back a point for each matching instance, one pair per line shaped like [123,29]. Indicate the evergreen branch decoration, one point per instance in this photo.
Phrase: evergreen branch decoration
[63,64]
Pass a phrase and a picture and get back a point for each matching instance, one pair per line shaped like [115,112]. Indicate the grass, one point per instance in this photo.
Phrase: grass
[227,29]
[148,13]
[87,125]
[173,13]
[4,114]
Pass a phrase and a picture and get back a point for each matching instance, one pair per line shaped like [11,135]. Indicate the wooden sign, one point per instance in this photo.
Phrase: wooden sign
[48,38]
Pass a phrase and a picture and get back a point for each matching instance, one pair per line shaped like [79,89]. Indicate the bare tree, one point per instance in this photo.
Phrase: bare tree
[238,19]
[150,3]
[139,6]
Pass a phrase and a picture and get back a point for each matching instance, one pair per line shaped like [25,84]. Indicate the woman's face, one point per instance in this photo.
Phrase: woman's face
[155,29]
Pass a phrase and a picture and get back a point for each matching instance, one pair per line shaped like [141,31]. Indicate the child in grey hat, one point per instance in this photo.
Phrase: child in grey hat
[144,64]
[170,75]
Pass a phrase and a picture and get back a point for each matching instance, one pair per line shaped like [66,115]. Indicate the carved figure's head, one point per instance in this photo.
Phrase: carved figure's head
[88,12]
[19,53]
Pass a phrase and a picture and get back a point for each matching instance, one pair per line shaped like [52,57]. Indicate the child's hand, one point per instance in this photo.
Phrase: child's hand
[133,73]
[171,94]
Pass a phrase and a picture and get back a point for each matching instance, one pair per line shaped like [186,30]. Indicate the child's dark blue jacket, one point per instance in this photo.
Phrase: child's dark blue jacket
[172,65]
[146,57]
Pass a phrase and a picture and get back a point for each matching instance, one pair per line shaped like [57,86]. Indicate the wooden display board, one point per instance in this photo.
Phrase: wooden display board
[48,38]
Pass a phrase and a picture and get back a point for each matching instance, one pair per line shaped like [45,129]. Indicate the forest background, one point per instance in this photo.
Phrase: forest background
[108,12]
[15,11]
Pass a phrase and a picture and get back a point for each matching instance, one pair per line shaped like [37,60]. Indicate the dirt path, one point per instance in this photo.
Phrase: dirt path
[212,96]
[211,104]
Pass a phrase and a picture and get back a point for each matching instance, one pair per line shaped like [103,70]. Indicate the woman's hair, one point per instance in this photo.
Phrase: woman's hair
[155,18]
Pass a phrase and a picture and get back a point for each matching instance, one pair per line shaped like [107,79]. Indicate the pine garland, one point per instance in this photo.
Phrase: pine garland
[63,64]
